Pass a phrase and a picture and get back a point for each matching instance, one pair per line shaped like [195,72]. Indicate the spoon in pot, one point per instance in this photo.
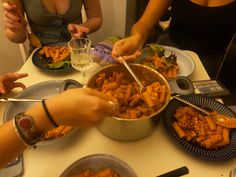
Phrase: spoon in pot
[133,74]
[220,119]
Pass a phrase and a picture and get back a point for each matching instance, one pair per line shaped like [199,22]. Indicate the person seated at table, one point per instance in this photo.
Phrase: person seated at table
[79,107]
[8,82]
[203,26]
[52,21]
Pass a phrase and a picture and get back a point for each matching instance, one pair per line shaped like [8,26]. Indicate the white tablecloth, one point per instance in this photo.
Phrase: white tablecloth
[148,157]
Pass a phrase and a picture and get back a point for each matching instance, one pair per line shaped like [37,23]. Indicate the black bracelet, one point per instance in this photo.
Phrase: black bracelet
[48,114]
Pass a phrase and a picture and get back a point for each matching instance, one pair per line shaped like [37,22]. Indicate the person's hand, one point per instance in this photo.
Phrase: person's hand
[82,107]
[129,48]
[13,20]
[7,82]
[77,31]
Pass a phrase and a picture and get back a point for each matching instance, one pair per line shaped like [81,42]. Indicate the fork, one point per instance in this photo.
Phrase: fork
[224,121]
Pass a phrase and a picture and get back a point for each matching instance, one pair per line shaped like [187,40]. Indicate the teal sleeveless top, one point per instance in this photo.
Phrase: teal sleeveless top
[48,27]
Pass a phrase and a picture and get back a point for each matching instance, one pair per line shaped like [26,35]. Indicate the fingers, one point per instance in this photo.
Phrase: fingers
[7,82]
[93,92]
[14,76]
[118,49]
[71,28]
[7,6]
[18,84]
[2,88]
[77,31]
[132,57]
[109,105]
[20,75]
[127,48]
[105,103]
[12,19]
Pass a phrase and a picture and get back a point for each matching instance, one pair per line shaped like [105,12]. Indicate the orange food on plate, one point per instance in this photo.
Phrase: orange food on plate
[195,127]
[55,53]
[56,132]
[168,67]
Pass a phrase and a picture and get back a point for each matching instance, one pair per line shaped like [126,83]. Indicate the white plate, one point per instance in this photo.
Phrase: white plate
[185,62]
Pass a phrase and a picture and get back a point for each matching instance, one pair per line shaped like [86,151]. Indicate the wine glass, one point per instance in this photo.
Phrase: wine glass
[81,58]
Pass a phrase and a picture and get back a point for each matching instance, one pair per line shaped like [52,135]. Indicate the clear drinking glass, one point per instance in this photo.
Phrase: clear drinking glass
[81,58]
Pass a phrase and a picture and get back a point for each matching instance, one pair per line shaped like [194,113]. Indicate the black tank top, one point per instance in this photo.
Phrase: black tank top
[202,29]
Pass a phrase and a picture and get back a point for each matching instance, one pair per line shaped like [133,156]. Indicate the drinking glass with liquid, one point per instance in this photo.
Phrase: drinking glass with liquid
[81,58]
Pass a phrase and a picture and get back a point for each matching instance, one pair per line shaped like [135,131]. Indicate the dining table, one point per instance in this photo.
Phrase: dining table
[148,157]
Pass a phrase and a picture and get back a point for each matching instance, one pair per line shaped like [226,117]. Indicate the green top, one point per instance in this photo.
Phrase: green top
[48,27]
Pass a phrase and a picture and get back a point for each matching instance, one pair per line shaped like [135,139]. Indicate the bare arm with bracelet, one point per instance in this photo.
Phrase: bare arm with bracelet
[83,108]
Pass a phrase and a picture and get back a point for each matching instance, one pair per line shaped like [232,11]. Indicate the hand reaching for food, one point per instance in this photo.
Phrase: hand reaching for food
[129,48]
[77,30]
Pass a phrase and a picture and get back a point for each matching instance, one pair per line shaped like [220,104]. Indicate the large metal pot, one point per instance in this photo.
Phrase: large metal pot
[132,129]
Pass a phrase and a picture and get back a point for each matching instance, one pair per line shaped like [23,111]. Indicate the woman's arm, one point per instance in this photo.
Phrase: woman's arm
[12,145]
[94,15]
[15,24]
[83,108]
[152,14]
[93,23]
[130,47]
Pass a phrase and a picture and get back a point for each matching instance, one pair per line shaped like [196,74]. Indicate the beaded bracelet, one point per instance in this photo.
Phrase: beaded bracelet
[26,130]
[48,114]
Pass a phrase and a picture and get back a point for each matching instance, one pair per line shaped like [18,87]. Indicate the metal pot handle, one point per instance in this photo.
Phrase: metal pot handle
[181,86]
[69,84]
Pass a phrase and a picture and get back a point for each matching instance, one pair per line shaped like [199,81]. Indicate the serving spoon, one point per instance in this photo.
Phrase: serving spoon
[133,74]
[20,100]
[224,121]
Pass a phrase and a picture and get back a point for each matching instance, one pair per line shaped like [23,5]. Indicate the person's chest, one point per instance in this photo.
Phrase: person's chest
[57,7]
[212,3]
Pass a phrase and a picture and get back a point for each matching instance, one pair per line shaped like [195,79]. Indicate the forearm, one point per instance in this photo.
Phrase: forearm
[140,31]
[11,145]
[93,24]
[16,37]
[150,17]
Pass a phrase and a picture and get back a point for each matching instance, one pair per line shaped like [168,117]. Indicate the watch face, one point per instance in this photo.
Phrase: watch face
[25,123]
[27,129]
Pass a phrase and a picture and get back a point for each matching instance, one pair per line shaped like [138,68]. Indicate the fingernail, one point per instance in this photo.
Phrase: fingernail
[72,31]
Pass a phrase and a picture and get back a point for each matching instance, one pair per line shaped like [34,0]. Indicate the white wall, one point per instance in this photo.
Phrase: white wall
[118,16]
[10,56]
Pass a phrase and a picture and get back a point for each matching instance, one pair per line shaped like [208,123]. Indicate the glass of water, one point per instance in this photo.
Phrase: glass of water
[81,58]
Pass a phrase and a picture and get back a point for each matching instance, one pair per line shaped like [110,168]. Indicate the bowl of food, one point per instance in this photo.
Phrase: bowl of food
[99,165]
[138,113]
